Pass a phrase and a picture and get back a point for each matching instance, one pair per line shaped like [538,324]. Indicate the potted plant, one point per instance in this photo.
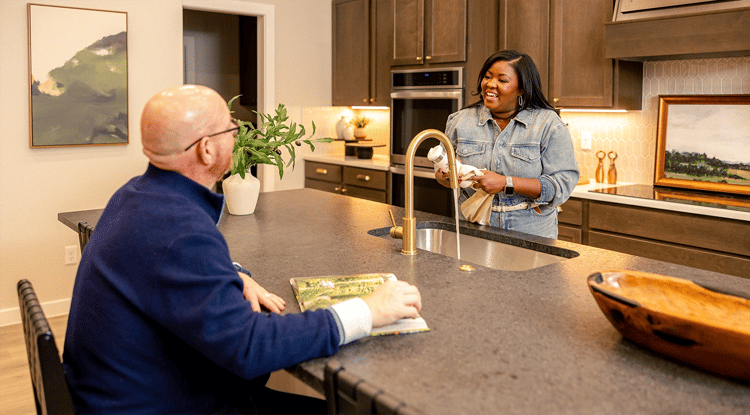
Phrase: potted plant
[261,145]
[359,124]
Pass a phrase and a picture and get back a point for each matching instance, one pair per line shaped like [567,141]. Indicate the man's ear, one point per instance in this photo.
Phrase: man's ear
[207,151]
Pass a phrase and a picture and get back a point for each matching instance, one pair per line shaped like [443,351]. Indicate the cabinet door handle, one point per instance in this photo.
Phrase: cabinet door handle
[427,57]
[321,171]
[343,190]
[419,58]
[338,189]
[555,100]
[364,100]
[363,177]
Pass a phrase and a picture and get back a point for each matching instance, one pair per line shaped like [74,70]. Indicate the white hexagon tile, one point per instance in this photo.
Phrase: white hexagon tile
[633,134]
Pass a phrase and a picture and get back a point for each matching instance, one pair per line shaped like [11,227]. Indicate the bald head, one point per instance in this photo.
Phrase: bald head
[175,118]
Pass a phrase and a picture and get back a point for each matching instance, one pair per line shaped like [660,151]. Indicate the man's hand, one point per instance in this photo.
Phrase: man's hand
[392,301]
[259,296]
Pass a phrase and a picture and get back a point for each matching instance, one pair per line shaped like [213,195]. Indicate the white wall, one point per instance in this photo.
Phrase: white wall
[303,69]
[37,184]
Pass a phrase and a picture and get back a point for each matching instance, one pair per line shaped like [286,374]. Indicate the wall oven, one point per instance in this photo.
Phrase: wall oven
[422,99]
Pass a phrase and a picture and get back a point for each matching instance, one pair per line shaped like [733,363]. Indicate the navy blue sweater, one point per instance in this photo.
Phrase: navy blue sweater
[158,323]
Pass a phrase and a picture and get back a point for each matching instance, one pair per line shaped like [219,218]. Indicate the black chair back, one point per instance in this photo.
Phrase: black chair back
[47,376]
[84,233]
[347,394]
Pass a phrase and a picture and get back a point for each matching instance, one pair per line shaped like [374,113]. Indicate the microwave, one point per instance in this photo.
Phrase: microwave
[422,99]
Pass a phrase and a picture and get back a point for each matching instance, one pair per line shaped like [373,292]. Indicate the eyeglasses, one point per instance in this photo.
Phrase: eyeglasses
[235,129]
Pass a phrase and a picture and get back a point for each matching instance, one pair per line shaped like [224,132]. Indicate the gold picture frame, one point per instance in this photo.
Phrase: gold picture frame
[703,143]
[78,76]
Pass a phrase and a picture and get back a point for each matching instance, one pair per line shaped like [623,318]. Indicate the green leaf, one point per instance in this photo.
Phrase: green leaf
[255,144]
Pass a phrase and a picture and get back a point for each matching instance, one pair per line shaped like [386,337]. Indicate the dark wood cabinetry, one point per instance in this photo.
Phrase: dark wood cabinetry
[346,180]
[710,243]
[361,52]
[565,38]
[429,31]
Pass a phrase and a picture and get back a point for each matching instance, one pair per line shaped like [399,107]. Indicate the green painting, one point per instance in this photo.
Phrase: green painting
[78,72]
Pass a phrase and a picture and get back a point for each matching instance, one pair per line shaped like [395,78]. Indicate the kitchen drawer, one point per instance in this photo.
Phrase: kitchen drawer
[571,213]
[683,255]
[373,179]
[324,186]
[569,234]
[365,193]
[323,171]
[716,234]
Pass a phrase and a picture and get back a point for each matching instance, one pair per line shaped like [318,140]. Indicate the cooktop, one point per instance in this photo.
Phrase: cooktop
[708,199]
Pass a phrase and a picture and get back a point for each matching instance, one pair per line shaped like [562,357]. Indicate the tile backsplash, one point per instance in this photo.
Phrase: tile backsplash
[632,134]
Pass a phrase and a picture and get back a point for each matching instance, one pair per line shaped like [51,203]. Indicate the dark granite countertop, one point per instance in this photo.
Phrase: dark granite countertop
[531,342]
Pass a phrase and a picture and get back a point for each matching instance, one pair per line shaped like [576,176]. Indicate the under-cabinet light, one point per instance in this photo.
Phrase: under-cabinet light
[588,110]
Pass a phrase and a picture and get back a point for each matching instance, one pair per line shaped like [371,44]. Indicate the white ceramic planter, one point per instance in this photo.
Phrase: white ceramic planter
[241,194]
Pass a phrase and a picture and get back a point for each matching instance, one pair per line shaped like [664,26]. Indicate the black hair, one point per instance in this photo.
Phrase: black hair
[528,78]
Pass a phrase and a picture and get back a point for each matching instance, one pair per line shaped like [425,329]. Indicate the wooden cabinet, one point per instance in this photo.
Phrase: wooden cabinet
[346,180]
[570,221]
[713,244]
[429,31]
[566,40]
[361,52]
[524,26]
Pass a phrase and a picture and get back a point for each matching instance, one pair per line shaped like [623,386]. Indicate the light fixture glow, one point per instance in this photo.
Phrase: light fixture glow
[369,108]
[589,110]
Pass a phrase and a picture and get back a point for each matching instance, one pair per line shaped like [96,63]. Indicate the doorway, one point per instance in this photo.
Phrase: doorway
[219,23]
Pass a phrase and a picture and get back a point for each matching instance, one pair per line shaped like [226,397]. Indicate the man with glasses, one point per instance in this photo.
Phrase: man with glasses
[161,319]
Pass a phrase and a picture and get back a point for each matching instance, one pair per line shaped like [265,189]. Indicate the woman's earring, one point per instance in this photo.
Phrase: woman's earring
[520,101]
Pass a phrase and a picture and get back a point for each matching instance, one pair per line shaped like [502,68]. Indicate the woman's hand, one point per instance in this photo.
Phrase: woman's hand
[443,178]
[490,182]
[259,296]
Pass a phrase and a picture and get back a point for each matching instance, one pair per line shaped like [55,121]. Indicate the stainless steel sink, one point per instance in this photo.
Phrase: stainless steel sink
[479,249]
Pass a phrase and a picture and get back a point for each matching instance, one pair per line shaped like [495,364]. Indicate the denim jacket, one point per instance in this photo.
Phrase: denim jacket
[536,143]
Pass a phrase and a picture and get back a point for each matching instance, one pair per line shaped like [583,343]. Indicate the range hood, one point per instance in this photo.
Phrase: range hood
[723,33]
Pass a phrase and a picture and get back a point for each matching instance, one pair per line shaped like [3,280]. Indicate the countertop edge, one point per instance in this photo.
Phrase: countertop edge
[582,192]
[382,163]
[377,162]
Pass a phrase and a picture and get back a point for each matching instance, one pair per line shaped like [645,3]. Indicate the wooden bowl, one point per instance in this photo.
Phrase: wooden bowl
[678,318]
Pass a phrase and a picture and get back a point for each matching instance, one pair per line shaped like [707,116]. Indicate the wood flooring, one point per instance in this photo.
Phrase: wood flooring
[17,398]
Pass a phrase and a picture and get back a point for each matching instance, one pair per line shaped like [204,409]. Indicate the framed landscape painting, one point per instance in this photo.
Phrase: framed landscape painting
[78,76]
[703,143]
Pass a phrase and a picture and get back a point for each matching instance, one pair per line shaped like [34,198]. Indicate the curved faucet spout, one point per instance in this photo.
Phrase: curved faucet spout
[410,223]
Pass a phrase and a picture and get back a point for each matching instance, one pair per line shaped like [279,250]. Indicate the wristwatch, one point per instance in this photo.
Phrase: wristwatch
[508,186]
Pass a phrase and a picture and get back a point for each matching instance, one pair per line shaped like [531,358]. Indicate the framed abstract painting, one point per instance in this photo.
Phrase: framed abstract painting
[78,76]
[703,143]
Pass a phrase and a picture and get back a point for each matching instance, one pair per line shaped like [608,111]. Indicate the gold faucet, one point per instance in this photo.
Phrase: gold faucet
[408,229]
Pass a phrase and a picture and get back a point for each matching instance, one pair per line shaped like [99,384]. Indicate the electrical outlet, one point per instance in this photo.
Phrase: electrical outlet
[71,255]
[585,140]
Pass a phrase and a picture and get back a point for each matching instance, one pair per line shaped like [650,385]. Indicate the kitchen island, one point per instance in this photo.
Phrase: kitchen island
[531,342]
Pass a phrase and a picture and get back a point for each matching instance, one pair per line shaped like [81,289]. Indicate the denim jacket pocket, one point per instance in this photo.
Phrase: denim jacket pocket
[471,153]
[529,153]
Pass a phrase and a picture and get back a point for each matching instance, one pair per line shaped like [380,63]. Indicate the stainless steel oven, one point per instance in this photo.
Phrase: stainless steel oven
[422,99]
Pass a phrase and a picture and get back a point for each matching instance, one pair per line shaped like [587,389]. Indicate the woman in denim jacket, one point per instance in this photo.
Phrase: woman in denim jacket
[518,141]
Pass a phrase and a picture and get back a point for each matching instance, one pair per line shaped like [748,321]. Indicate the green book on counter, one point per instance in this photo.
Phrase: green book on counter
[319,292]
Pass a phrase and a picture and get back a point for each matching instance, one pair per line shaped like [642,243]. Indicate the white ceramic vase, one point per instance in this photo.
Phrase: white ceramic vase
[341,126]
[241,194]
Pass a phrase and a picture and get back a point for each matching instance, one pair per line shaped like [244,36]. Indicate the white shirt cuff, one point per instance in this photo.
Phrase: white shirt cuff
[354,318]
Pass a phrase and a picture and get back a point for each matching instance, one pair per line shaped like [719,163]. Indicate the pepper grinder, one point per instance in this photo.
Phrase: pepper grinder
[612,172]
[600,168]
